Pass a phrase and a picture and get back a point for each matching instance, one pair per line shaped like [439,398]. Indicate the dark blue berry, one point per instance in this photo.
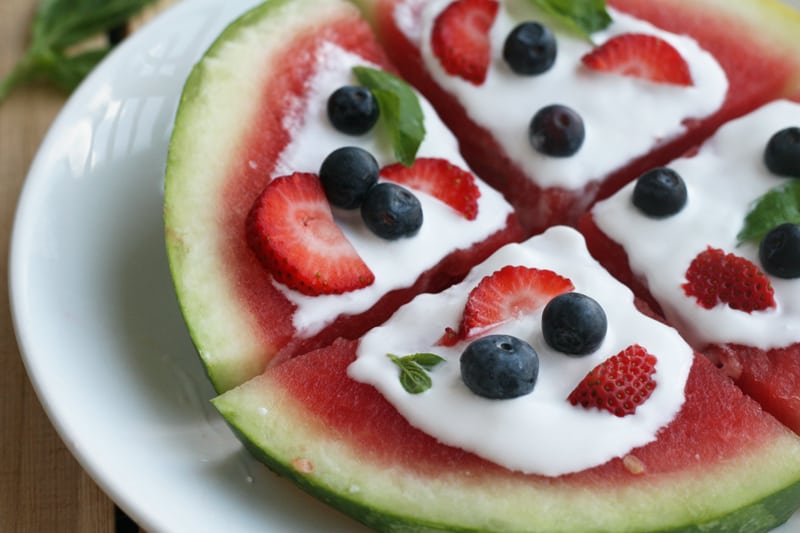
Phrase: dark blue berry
[779,251]
[782,154]
[353,109]
[391,211]
[574,324]
[530,49]
[659,192]
[499,367]
[347,174]
[556,130]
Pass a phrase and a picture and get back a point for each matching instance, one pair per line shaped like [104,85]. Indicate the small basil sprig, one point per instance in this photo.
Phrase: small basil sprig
[414,370]
[400,110]
[581,16]
[58,27]
[779,205]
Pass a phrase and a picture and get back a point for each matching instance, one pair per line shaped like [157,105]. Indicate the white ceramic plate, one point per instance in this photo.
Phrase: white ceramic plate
[95,312]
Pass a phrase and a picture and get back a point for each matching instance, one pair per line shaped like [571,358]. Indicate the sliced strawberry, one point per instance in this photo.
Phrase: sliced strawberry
[715,277]
[619,384]
[641,56]
[505,295]
[291,230]
[441,179]
[461,38]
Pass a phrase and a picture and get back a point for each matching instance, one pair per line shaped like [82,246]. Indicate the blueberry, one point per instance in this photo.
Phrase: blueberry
[530,48]
[782,154]
[499,367]
[574,324]
[659,192]
[347,174]
[779,251]
[353,109]
[391,211]
[556,130]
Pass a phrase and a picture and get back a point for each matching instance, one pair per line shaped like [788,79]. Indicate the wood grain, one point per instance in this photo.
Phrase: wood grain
[42,487]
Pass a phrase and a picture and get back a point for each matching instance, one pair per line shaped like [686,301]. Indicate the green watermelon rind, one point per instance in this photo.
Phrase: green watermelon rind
[278,431]
[202,148]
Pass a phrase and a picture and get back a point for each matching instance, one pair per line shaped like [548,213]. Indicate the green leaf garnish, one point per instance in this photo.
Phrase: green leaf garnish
[400,110]
[59,26]
[581,16]
[779,205]
[414,370]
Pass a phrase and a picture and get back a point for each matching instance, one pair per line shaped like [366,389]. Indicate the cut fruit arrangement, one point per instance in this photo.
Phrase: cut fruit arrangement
[593,62]
[397,317]
[269,268]
[727,272]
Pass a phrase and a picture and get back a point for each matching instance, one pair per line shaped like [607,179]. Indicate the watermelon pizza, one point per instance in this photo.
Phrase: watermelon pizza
[392,308]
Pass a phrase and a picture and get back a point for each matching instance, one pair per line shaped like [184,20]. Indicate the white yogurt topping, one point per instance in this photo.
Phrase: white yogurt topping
[722,180]
[624,117]
[541,432]
[396,264]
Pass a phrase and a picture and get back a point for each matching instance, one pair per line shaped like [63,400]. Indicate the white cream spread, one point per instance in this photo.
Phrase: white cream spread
[396,264]
[624,117]
[723,180]
[541,432]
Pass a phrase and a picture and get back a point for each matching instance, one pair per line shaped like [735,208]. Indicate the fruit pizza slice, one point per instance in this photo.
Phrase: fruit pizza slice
[559,103]
[310,192]
[713,241]
[533,396]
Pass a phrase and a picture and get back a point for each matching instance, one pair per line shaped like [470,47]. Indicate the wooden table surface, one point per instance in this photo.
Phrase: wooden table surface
[42,487]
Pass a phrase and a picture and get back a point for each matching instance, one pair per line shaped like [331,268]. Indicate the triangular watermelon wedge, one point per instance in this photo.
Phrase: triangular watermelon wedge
[759,349]
[236,129]
[721,464]
[754,41]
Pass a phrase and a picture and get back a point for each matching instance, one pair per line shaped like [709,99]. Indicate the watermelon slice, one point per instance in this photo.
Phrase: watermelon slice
[753,41]
[727,180]
[718,464]
[252,110]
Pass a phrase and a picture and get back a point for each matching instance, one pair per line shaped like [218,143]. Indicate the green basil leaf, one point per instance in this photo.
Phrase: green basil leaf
[415,380]
[413,370]
[426,360]
[27,70]
[400,110]
[59,24]
[780,204]
[70,71]
[581,16]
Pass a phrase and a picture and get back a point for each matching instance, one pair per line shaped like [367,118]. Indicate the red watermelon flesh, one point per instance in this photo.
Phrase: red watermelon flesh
[718,435]
[208,199]
[342,441]
[760,67]
[770,373]
[720,464]
[377,430]
[771,377]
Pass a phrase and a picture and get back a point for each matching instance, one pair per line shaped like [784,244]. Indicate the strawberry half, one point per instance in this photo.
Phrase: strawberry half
[714,277]
[641,56]
[292,232]
[619,384]
[441,179]
[461,38]
[505,295]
